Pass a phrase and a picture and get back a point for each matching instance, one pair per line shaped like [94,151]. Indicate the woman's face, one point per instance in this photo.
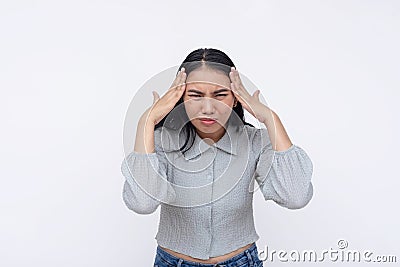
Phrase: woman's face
[208,101]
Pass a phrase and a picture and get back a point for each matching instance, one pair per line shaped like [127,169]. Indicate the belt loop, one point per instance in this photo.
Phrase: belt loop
[179,263]
[249,257]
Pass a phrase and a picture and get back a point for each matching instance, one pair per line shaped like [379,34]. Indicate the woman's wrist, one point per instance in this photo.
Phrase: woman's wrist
[266,115]
[278,136]
[146,121]
[144,142]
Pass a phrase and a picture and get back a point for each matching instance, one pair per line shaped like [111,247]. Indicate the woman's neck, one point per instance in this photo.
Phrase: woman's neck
[211,138]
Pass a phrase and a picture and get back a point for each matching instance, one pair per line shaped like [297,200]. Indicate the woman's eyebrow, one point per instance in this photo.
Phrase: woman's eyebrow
[220,90]
[215,92]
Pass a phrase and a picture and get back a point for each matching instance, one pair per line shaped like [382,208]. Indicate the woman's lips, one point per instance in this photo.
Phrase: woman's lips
[208,121]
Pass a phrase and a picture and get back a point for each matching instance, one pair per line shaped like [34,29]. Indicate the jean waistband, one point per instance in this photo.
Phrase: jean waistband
[248,255]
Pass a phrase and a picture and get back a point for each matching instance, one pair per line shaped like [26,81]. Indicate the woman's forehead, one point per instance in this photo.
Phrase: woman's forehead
[205,87]
[207,76]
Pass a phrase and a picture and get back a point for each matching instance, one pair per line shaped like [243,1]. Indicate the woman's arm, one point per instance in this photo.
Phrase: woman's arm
[277,133]
[144,142]
[283,170]
[145,168]
[145,172]
[284,176]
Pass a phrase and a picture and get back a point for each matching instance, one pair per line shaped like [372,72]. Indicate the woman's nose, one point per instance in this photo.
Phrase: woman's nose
[207,106]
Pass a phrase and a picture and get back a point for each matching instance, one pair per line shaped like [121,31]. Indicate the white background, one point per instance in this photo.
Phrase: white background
[68,71]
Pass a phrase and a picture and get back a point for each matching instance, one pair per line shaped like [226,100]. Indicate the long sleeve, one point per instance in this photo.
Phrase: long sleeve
[284,176]
[146,185]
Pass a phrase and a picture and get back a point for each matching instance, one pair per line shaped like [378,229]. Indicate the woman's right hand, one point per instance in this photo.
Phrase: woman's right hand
[162,106]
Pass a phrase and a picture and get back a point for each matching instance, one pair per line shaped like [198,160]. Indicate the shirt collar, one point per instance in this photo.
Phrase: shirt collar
[227,143]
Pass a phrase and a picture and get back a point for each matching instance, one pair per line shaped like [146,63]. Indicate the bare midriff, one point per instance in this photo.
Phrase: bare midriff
[210,260]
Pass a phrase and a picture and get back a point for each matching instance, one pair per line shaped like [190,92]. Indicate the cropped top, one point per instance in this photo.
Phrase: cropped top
[206,194]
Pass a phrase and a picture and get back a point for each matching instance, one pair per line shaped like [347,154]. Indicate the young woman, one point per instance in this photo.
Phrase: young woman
[197,158]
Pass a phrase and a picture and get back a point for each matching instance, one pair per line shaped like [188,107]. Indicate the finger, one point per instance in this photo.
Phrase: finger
[238,83]
[182,80]
[174,83]
[182,87]
[257,95]
[234,75]
[177,79]
[176,92]
[156,97]
[238,90]
[181,90]
[237,93]
[242,98]
[234,89]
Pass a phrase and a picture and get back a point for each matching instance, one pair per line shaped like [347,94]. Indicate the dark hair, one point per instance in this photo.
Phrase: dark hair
[202,57]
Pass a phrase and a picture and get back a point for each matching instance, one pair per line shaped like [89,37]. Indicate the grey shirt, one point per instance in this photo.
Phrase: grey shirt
[206,194]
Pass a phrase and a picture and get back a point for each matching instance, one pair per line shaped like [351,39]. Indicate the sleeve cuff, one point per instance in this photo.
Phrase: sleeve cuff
[282,152]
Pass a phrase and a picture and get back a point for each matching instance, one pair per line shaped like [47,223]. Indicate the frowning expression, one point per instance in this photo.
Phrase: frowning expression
[208,101]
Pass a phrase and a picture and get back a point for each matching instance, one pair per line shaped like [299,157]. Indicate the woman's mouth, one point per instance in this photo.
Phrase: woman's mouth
[208,121]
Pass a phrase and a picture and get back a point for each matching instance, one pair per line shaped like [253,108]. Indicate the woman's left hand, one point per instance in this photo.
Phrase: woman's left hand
[250,102]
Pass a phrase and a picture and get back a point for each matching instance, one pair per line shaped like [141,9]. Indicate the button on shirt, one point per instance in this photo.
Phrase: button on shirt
[206,194]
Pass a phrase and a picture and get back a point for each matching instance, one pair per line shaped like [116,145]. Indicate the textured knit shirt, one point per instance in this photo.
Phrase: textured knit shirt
[206,194]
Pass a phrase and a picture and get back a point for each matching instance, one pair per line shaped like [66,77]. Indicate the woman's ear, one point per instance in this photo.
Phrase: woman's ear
[235,102]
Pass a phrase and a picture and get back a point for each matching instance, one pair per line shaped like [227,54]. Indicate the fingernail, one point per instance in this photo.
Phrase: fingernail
[182,69]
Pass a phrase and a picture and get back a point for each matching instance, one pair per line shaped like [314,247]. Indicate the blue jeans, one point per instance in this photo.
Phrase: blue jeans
[247,258]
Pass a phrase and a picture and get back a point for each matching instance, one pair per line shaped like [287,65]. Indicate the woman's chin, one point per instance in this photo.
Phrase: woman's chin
[209,129]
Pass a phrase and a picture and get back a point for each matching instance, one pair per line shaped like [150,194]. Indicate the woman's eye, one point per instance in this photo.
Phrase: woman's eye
[198,96]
